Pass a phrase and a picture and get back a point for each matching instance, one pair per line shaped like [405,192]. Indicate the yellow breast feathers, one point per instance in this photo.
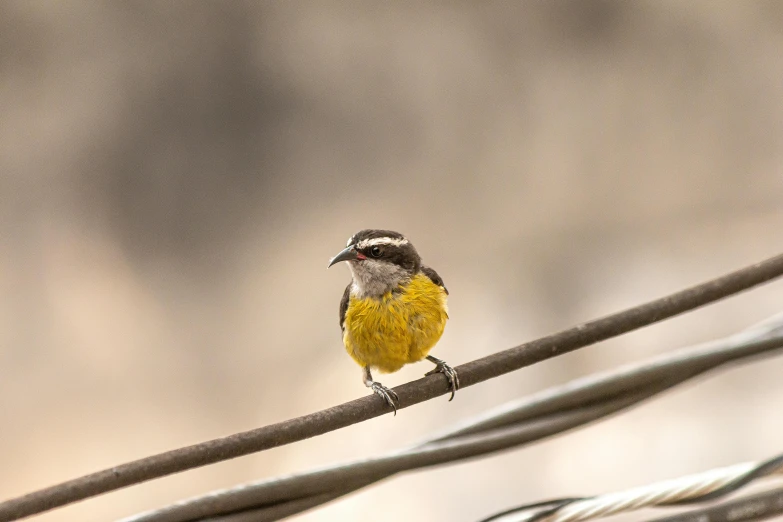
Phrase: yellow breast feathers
[399,328]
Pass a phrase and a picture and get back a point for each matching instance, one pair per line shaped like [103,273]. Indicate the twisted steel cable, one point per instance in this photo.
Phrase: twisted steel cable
[700,487]
[515,423]
[368,407]
[745,508]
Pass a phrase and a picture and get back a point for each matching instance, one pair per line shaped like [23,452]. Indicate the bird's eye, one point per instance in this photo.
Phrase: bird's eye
[375,251]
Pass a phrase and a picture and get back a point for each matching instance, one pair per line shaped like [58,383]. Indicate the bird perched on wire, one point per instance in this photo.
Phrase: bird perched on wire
[394,310]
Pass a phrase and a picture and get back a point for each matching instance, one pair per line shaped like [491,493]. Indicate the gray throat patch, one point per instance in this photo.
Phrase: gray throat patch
[375,278]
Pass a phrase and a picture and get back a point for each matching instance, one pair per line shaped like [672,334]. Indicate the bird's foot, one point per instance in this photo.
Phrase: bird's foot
[386,394]
[450,373]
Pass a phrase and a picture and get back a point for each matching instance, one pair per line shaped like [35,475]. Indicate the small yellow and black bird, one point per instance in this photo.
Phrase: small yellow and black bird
[394,310]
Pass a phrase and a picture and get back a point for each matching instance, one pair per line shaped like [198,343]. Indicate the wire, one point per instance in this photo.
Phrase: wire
[515,423]
[686,490]
[544,508]
[372,406]
[751,507]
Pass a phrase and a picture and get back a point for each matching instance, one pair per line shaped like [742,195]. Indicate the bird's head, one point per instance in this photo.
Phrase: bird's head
[379,260]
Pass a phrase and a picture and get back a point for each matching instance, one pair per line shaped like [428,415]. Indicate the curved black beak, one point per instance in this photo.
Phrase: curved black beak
[346,254]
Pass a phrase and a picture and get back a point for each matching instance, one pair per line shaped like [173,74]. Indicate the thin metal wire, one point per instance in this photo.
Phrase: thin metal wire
[512,424]
[750,507]
[368,407]
[685,490]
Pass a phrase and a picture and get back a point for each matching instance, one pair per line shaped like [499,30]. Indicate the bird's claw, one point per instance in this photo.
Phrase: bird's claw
[386,394]
[450,373]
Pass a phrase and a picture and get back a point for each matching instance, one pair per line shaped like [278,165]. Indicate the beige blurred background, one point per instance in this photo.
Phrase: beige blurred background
[174,177]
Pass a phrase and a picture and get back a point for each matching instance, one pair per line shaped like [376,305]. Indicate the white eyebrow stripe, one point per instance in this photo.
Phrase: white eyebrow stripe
[350,240]
[381,241]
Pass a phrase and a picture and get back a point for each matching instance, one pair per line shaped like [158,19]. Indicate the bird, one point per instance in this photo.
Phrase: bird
[393,311]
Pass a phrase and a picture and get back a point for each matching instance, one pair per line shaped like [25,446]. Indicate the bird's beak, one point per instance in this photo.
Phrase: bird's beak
[347,254]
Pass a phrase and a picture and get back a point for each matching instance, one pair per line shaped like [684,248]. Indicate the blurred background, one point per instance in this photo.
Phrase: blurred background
[174,177]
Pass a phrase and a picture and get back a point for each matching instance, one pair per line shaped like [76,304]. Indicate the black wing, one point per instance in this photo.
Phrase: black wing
[344,305]
[434,277]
